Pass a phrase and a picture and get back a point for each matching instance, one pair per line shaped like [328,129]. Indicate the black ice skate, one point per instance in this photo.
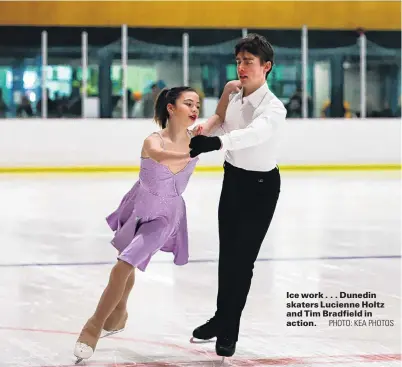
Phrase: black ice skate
[205,332]
[225,347]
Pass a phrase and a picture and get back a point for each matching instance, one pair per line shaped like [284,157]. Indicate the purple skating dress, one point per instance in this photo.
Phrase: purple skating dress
[152,215]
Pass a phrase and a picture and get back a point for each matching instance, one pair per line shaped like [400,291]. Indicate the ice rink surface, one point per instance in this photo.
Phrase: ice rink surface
[332,232]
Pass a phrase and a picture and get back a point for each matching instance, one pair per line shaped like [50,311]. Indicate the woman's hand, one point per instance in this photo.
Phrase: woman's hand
[197,130]
[233,86]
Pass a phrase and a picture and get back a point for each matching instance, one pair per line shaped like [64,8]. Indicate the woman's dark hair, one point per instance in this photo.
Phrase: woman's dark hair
[258,46]
[165,97]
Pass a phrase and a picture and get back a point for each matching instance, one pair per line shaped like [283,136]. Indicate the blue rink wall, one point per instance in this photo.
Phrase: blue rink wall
[101,145]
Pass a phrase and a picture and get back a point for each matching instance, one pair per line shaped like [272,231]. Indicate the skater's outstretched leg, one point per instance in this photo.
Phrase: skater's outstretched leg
[118,318]
[110,298]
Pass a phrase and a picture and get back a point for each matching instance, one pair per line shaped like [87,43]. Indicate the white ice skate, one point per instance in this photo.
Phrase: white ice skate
[82,351]
[106,333]
[113,327]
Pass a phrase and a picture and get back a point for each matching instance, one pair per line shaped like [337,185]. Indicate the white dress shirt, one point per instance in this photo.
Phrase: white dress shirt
[252,129]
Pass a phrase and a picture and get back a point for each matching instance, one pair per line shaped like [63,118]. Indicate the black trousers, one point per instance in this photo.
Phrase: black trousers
[246,208]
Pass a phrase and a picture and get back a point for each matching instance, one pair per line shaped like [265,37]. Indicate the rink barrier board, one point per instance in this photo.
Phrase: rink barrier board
[106,146]
[205,169]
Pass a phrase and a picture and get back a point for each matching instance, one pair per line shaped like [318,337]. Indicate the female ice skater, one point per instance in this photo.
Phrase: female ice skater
[151,216]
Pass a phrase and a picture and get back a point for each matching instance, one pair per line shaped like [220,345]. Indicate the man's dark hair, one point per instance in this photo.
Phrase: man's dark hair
[258,46]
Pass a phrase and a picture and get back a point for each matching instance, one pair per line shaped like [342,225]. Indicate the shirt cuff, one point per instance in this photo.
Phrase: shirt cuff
[224,142]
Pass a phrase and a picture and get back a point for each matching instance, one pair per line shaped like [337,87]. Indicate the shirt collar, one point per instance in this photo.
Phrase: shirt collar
[256,97]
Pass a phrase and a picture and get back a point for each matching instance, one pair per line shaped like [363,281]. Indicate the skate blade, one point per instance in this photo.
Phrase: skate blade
[109,333]
[223,361]
[79,360]
[200,341]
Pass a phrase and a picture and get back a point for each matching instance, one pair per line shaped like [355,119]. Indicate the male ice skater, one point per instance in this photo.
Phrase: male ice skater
[251,184]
